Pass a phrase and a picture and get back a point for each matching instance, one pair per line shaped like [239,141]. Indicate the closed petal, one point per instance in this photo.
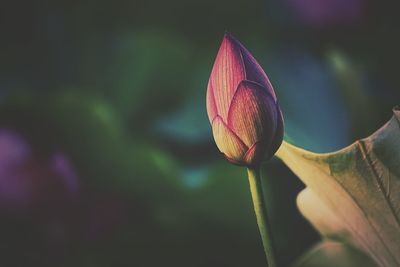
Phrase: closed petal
[227,141]
[255,154]
[255,73]
[212,110]
[253,70]
[227,72]
[235,162]
[278,138]
[253,114]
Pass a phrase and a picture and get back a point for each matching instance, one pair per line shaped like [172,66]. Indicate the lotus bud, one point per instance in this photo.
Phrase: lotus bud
[245,117]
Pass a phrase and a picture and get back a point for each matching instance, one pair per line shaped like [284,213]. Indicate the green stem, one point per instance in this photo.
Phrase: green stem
[261,213]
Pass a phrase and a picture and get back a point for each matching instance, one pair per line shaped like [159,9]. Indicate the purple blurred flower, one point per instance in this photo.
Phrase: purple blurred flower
[321,13]
[242,107]
[29,183]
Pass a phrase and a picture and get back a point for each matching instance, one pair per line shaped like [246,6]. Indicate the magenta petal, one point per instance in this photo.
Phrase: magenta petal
[253,114]
[278,138]
[227,141]
[227,72]
[253,70]
[212,110]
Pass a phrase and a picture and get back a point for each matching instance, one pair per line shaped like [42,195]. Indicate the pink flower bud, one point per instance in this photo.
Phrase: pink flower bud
[246,120]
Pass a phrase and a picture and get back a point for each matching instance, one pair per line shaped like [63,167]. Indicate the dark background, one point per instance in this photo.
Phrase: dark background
[106,153]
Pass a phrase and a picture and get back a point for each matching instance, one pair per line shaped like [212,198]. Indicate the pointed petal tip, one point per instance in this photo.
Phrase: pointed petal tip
[227,72]
[253,70]
[228,37]
[227,34]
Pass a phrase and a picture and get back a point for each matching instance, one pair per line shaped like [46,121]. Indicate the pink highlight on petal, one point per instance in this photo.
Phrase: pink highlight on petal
[227,141]
[228,71]
[212,110]
[252,114]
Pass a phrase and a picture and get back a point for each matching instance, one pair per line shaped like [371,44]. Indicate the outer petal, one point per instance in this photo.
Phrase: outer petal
[253,114]
[278,138]
[212,110]
[235,162]
[226,74]
[253,70]
[255,154]
[227,141]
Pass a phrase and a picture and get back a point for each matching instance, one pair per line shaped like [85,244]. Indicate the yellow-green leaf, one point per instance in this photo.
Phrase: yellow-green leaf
[353,194]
